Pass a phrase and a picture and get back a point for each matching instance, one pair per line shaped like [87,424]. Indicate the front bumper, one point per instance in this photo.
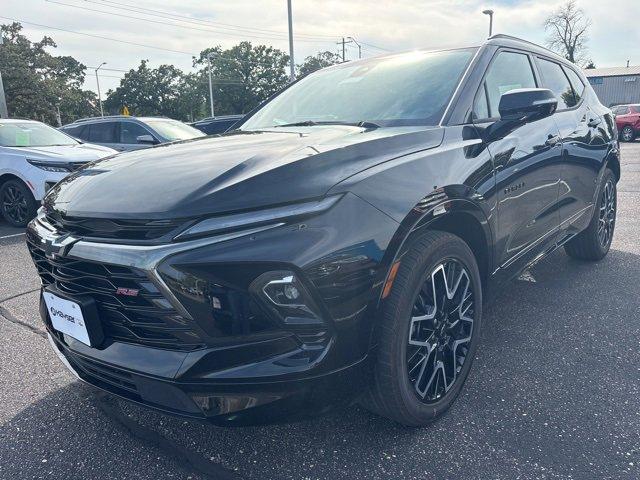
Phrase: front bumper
[185,363]
[219,403]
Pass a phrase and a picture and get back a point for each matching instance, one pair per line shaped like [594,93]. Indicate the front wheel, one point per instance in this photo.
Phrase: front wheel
[428,332]
[594,242]
[17,203]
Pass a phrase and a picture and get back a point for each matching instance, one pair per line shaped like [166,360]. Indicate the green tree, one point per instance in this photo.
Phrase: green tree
[321,60]
[243,76]
[37,83]
[149,91]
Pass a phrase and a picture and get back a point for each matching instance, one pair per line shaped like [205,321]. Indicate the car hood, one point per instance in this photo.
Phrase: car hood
[237,171]
[81,152]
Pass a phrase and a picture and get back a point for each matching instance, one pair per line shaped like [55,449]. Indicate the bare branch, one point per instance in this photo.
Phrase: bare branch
[568,31]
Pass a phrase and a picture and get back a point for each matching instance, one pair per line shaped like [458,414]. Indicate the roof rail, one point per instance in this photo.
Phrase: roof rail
[518,39]
[88,119]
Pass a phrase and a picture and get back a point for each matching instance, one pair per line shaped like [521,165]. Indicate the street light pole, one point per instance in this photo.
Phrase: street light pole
[210,85]
[490,13]
[292,64]
[98,83]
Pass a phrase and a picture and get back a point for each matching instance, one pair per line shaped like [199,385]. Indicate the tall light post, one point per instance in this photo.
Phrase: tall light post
[292,64]
[490,13]
[98,83]
[209,57]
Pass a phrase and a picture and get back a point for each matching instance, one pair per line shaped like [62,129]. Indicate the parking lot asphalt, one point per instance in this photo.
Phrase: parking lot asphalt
[554,393]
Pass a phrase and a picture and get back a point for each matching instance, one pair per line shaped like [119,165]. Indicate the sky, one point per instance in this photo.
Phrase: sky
[188,26]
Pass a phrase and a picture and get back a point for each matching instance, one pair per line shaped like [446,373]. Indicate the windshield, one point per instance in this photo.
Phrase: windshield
[32,134]
[407,89]
[174,130]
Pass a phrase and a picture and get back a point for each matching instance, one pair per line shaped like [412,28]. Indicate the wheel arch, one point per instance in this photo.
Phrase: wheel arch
[461,217]
[613,162]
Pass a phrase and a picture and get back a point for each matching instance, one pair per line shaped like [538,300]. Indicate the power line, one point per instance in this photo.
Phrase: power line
[158,22]
[376,47]
[165,14]
[98,36]
[193,55]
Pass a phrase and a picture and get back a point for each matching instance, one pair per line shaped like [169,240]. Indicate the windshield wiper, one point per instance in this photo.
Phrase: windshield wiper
[312,123]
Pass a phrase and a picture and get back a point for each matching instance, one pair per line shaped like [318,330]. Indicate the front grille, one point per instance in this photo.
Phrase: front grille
[100,373]
[145,319]
[113,228]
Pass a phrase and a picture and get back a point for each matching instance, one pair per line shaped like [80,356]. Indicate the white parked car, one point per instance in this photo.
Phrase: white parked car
[33,158]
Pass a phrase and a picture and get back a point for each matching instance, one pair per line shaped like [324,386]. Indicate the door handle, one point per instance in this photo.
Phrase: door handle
[552,140]
[594,122]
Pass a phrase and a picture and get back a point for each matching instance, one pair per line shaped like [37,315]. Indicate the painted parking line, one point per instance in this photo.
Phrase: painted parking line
[11,236]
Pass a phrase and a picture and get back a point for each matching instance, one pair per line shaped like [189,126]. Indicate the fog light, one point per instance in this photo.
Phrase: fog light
[287,294]
[291,292]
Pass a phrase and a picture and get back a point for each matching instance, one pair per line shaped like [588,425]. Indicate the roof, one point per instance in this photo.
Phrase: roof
[612,72]
[17,120]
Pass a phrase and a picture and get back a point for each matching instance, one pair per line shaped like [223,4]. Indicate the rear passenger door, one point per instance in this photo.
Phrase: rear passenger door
[527,166]
[583,144]
[103,133]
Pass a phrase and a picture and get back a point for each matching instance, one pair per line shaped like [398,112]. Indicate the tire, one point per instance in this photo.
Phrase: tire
[590,244]
[17,204]
[411,390]
[627,134]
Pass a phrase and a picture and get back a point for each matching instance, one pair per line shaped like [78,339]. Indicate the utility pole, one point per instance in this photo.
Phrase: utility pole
[210,84]
[292,64]
[3,102]
[490,13]
[344,58]
[98,83]
[351,39]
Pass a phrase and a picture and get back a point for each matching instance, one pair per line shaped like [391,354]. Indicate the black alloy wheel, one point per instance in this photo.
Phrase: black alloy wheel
[17,203]
[607,213]
[428,331]
[627,134]
[440,331]
[594,242]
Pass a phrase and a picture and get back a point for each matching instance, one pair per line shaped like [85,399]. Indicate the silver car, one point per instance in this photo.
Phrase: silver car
[124,133]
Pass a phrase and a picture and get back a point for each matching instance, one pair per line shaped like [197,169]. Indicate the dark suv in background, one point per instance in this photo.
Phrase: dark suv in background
[125,133]
[339,245]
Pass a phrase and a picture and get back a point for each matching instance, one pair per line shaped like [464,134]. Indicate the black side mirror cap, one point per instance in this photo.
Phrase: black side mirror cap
[524,105]
[147,139]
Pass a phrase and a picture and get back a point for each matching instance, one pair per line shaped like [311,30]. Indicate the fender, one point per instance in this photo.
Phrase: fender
[432,209]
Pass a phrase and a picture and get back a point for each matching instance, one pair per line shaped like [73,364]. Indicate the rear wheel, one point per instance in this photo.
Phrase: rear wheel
[594,242]
[429,331]
[627,134]
[17,203]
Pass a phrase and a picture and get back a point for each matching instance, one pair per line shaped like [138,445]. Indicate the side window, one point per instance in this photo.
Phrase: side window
[622,111]
[555,80]
[129,132]
[79,131]
[103,132]
[508,71]
[480,105]
[576,83]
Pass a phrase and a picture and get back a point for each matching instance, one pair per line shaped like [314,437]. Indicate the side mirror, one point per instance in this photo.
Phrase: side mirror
[524,105]
[147,139]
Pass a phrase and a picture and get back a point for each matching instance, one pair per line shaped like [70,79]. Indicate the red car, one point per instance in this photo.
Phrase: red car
[627,121]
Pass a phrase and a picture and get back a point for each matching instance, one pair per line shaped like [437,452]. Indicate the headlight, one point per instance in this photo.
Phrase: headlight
[49,166]
[276,216]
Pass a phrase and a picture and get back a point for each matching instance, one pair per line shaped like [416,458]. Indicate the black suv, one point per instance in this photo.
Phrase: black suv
[338,246]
